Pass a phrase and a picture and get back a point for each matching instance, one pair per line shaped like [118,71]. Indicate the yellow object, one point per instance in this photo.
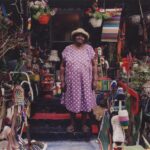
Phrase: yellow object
[135,147]
[125,127]
[29,24]
[98,111]
[36,77]
[99,85]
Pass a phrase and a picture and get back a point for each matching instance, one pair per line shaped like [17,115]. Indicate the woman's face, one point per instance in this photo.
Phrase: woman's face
[79,39]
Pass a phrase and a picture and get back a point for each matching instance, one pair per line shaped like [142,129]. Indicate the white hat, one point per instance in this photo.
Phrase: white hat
[80,30]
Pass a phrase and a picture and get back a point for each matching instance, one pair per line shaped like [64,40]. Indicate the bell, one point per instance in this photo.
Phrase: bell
[135,19]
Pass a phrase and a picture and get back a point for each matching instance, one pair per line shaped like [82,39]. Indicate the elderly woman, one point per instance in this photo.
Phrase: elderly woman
[78,77]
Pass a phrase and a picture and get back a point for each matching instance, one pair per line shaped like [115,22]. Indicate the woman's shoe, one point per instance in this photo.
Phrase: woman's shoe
[85,129]
[70,129]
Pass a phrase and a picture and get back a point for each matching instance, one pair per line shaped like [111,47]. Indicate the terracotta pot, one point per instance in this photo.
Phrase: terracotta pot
[44,19]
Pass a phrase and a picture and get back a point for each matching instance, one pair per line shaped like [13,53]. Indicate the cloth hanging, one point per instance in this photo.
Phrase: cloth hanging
[110,29]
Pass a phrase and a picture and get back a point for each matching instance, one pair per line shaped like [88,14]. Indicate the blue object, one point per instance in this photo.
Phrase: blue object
[120,94]
[113,84]
[3,10]
[101,99]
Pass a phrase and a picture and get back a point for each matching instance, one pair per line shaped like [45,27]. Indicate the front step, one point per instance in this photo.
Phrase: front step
[62,136]
[49,120]
[53,130]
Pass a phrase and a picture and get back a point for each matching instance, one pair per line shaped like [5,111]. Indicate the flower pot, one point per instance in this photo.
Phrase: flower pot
[44,19]
[95,22]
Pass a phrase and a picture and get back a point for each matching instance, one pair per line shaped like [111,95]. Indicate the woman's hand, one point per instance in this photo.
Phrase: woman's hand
[63,86]
[94,74]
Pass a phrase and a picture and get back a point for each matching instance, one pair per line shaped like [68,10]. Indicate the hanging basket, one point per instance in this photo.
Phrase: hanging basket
[44,19]
[95,22]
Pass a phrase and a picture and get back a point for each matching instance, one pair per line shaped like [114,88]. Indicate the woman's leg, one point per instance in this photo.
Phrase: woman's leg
[84,118]
[72,118]
[85,128]
[71,127]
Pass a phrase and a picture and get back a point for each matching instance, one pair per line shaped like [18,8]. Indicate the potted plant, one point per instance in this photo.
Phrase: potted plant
[41,11]
[96,15]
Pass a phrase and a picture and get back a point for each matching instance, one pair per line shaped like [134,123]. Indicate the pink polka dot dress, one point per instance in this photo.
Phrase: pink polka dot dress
[79,95]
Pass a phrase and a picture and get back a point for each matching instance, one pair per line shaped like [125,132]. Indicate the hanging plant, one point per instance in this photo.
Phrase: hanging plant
[41,11]
[96,15]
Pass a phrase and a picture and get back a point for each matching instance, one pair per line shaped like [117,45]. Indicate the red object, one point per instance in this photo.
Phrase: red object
[121,40]
[24,129]
[135,101]
[44,19]
[53,116]
[125,64]
[47,97]
[94,129]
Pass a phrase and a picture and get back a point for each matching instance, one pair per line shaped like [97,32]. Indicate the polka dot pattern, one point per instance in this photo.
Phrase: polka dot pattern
[78,77]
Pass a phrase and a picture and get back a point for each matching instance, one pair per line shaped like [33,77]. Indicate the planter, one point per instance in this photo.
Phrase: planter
[44,19]
[95,22]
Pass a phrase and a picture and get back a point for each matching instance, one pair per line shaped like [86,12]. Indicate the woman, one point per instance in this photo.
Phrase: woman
[78,77]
